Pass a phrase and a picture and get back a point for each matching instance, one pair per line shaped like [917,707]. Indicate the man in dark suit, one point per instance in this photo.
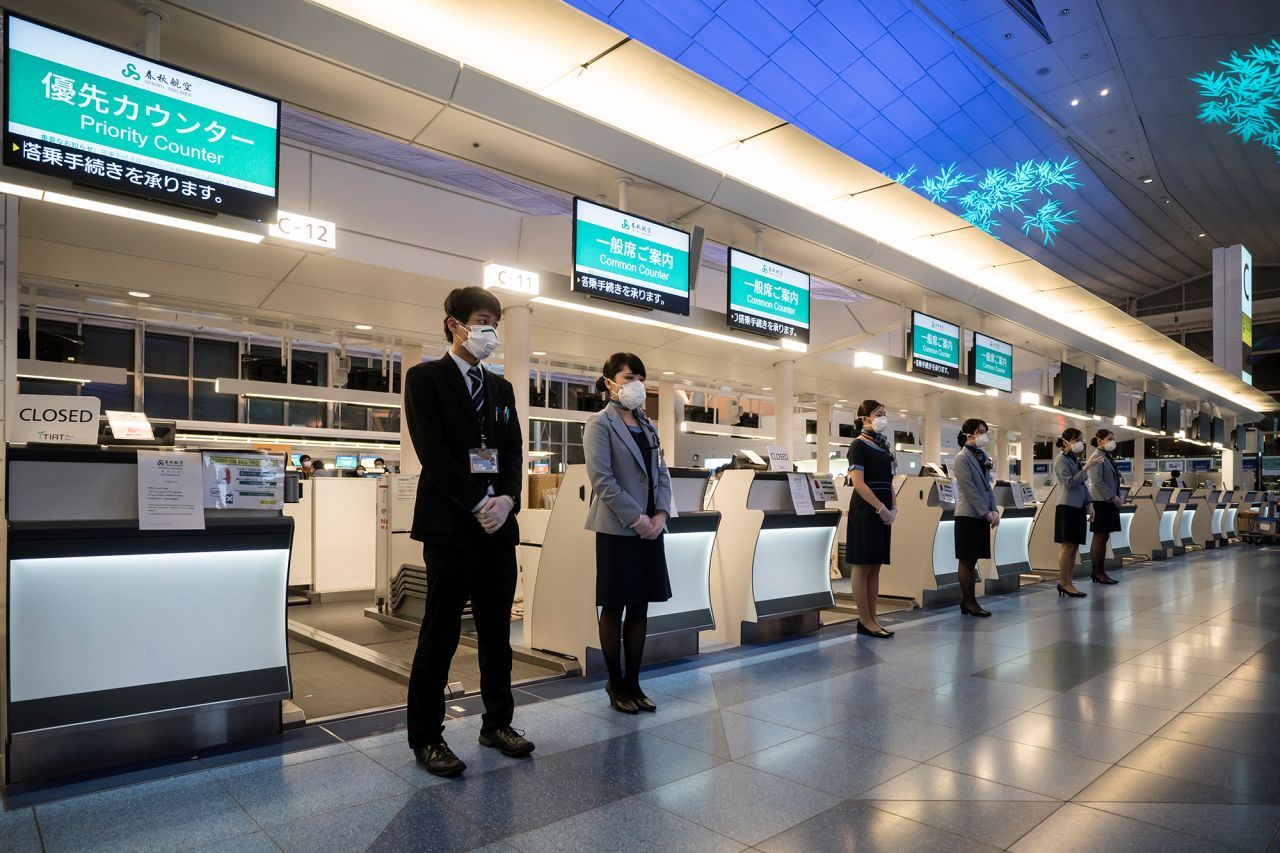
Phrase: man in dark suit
[462,419]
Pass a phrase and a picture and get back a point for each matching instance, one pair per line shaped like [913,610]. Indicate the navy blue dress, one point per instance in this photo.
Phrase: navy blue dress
[867,542]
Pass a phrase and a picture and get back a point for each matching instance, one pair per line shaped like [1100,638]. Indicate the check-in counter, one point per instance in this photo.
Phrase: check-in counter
[560,611]
[1041,549]
[126,645]
[923,563]
[1010,550]
[1118,543]
[1218,500]
[1144,526]
[771,571]
[1237,502]
[1194,522]
[1168,507]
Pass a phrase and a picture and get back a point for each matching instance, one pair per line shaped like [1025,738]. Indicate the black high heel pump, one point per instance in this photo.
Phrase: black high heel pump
[1064,591]
[867,632]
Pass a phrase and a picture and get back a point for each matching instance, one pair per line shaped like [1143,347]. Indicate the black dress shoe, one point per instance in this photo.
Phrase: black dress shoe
[619,701]
[879,635]
[508,741]
[1106,580]
[641,701]
[976,611]
[1062,590]
[439,760]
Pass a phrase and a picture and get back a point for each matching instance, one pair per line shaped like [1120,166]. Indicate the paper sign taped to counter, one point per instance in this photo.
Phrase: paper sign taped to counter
[243,481]
[779,458]
[130,426]
[169,489]
[801,495]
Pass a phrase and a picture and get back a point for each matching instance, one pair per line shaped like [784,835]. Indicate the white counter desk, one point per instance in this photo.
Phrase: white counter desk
[771,569]
[1168,507]
[923,564]
[1010,548]
[560,611]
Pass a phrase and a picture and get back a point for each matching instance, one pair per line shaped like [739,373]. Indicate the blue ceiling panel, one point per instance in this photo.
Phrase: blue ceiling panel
[821,122]
[894,60]
[942,149]
[865,151]
[826,41]
[804,66]
[852,19]
[931,99]
[764,102]
[643,23]
[749,18]
[886,11]
[888,138]
[921,39]
[782,88]
[907,118]
[596,8]
[964,132]
[955,79]
[725,42]
[1015,143]
[689,15]
[868,82]
[698,59]
[790,13]
[848,104]
[984,110]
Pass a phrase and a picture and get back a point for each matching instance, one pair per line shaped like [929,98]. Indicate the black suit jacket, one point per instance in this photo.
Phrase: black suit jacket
[444,428]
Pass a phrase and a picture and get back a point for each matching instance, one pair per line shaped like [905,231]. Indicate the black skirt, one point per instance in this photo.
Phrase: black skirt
[630,570]
[1106,517]
[973,538]
[1070,525]
[867,542]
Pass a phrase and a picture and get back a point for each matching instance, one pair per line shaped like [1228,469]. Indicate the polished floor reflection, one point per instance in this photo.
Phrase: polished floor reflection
[1144,717]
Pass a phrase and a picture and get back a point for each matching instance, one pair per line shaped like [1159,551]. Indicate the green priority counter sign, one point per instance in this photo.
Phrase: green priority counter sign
[767,298]
[81,110]
[935,346]
[626,258]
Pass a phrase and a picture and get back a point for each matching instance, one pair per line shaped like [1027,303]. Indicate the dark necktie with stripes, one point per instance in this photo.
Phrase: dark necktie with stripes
[475,378]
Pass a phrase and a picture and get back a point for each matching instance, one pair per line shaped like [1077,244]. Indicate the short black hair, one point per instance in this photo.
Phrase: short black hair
[317,463]
[968,428]
[380,461]
[303,457]
[617,363]
[1069,436]
[462,302]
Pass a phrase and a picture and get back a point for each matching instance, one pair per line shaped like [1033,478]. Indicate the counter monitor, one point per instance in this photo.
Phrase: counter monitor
[345,463]
[1102,397]
[93,114]
[1070,388]
[1149,416]
[991,363]
[767,298]
[1172,421]
[935,347]
[626,258]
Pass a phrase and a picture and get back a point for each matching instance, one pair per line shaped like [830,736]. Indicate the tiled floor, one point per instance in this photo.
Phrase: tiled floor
[1145,717]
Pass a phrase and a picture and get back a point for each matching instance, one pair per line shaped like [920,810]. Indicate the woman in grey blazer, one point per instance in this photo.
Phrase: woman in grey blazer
[1104,491]
[976,512]
[1074,509]
[630,505]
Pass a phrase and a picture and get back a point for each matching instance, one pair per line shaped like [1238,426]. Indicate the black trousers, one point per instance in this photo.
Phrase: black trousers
[486,573]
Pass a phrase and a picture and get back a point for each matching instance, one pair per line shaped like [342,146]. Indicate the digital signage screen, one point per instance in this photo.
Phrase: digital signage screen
[627,258]
[1071,388]
[991,363]
[96,115]
[1172,422]
[767,298]
[1150,412]
[345,463]
[1204,426]
[1218,433]
[1102,397]
[935,347]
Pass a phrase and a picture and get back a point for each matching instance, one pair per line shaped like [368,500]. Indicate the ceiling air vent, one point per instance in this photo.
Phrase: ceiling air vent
[1026,10]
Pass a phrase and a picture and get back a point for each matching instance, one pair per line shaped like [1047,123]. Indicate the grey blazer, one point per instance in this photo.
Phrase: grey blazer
[1072,478]
[619,478]
[1104,481]
[974,495]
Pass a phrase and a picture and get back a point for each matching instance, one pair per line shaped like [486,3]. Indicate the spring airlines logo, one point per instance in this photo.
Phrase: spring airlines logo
[131,72]
[630,225]
[163,81]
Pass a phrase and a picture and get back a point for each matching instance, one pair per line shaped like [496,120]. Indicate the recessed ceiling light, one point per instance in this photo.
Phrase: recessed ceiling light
[668,373]
[1168,201]
[1075,102]
[1044,71]
[139,294]
[1062,13]
[1201,235]
[902,411]
[364,327]
[1146,179]
[538,352]
[1008,36]
[767,388]
[1105,92]
[842,401]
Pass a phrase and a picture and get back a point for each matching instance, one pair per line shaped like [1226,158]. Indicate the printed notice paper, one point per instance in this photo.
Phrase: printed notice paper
[243,481]
[170,489]
[801,496]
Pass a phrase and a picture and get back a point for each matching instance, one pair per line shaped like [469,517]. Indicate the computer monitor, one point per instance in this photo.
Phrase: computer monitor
[345,463]
[1071,388]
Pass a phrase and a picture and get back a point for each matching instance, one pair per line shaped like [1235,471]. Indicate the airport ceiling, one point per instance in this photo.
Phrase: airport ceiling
[1072,129]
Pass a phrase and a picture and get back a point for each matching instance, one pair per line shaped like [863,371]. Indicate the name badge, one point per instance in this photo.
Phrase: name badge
[484,460]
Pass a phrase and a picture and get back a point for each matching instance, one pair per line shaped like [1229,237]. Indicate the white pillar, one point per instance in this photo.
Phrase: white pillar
[515,364]
[1139,459]
[1027,427]
[667,419]
[1232,459]
[933,426]
[409,464]
[1002,454]
[824,438]
[784,406]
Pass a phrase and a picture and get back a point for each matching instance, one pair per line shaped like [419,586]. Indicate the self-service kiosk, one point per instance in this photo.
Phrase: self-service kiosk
[1009,551]
[771,573]
[1194,521]
[560,610]
[1144,526]
[1218,501]
[1168,507]
[923,563]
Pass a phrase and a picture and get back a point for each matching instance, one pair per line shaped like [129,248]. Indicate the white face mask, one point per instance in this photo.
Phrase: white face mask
[880,424]
[981,440]
[482,341]
[1109,446]
[1078,447]
[631,396]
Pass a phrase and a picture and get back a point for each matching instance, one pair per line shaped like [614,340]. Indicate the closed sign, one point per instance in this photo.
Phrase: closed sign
[47,419]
